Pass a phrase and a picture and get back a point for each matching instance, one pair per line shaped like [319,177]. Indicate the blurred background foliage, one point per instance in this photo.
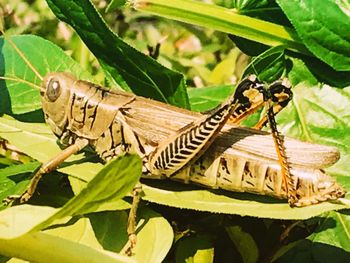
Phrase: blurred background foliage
[199,53]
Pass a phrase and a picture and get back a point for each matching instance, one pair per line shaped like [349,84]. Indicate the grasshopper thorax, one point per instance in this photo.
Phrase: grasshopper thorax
[55,95]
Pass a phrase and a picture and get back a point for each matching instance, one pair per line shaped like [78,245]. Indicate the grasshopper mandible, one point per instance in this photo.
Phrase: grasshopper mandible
[81,113]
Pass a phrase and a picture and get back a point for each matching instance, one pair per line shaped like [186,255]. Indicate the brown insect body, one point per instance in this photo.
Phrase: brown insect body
[241,159]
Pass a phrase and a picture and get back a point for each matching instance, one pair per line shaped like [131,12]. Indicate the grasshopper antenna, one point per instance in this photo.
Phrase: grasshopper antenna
[19,53]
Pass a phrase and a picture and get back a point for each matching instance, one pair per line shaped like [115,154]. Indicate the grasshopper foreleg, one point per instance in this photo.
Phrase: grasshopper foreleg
[46,168]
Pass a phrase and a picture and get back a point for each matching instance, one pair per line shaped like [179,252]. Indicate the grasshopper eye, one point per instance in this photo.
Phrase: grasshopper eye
[53,90]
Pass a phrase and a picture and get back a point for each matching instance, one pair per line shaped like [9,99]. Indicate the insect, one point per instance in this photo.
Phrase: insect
[109,121]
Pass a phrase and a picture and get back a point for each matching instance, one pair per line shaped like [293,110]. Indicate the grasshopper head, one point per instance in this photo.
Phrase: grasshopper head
[55,97]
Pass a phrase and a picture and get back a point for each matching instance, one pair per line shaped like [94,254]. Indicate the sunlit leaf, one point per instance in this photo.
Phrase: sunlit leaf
[111,183]
[324,33]
[18,94]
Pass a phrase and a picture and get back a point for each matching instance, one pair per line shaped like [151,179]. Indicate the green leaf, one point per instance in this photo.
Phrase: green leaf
[41,247]
[114,181]
[36,139]
[19,220]
[177,195]
[217,201]
[318,113]
[249,47]
[197,248]
[80,230]
[328,242]
[98,232]
[269,65]
[14,179]
[325,73]
[206,98]
[334,230]
[323,27]
[18,96]
[264,10]
[156,229]
[130,68]
[110,230]
[244,243]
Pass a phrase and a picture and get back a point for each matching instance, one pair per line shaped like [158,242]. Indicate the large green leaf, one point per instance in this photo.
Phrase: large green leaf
[114,181]
[231,203]
[109,230]
[130,68]
[41,247]
[318,113]
[173,194]
[98,232]
[18,94]
[155,228]
[323,27]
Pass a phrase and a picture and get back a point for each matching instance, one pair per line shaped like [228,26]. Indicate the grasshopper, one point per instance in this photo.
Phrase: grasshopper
[81,113]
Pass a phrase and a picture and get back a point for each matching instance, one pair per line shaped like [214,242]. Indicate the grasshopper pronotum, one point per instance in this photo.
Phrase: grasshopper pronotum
[109,121]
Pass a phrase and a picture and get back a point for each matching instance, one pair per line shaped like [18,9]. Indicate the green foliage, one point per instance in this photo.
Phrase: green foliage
[45,57]
[329,41]
[86,217]
[128,67]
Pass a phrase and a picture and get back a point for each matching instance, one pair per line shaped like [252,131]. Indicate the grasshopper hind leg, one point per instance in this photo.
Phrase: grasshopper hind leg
[277,97]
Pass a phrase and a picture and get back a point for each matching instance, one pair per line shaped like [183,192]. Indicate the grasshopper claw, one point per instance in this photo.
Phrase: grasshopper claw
[11,198]
[21,198]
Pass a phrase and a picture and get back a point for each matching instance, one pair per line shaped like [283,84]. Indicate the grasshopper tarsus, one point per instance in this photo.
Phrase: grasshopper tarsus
[10,199]
[23,198]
